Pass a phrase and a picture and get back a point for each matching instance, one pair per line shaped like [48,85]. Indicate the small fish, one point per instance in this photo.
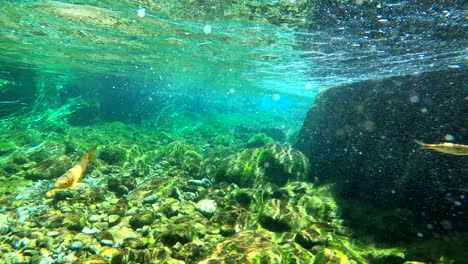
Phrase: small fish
[445,147]
[73,176]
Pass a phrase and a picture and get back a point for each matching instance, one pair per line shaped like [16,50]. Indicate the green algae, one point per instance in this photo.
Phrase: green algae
[259,140]
[273,163]
[12,184]
[178,150]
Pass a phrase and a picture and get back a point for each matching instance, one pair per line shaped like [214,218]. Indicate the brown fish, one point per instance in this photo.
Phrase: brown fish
[445,147]
[73,176]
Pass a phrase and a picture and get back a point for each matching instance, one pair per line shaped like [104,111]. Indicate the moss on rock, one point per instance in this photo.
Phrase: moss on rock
[273,163]
[259,140]
[114,154]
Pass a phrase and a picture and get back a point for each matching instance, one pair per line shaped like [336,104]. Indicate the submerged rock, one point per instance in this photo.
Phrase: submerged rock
[206,207]
[362,137]
[141,219]
[280,216]
[259,140]
[274,163]
[309,238]
[331,256]
[256,246]
[180,233]
[114,155]
[50,168]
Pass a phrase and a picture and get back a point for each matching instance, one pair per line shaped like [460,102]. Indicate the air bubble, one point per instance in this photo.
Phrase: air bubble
[207,29]
[141,12]
[449,137]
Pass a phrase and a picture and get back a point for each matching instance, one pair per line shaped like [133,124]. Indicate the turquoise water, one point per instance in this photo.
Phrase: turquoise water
[199,108]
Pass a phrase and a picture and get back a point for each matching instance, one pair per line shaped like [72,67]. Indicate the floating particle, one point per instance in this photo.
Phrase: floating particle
[446,12]
[266,165]
[383,20]
[340,132]
[141,12]
[449,137]
[446,224]
[414,99]
[276,96]
[419,234]
[423,110]
[207,29]
[232,90]
[370,126]
[454,66]
[308,86]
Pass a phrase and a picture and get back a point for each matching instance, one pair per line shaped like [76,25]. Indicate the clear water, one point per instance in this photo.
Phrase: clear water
[192,63]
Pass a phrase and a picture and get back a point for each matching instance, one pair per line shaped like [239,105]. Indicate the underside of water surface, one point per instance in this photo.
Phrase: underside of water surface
[237,131]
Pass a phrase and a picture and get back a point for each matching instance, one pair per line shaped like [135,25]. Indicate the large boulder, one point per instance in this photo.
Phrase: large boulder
[273,163]
[363,136]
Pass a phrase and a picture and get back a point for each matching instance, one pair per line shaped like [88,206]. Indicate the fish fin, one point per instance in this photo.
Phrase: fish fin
[90,153]
[420,143]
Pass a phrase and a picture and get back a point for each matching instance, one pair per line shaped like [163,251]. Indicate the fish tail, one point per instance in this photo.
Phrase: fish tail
[90,152]
[420,143]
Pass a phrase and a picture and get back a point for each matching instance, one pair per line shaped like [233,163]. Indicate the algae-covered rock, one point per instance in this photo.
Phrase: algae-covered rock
[280,216]
[121,186]
[142,219]
[177,150]
[232,220]
[207,207]
[274,163]
[74,221]
[331,256]
[309,238]
[181,155]
[133,242]
[256,246]
[180,233]
[114,154]
[319,203]
[259,140]
[161,187]
[50,168]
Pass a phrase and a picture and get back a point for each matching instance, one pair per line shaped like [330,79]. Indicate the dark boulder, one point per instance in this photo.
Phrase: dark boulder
[362,136]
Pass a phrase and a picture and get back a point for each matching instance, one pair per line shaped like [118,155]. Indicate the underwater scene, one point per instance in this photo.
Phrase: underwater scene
[233,131]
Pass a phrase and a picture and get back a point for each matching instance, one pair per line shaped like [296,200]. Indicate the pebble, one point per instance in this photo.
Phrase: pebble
[89,231]
[94,218]
[206,207]
[107,242]
[133,211]
[76,245]
[114,219]
[150,199]
[203,182]
[52,233]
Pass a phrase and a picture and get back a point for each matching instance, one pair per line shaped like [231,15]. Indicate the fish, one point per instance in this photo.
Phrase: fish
[71,178]
[445,147]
